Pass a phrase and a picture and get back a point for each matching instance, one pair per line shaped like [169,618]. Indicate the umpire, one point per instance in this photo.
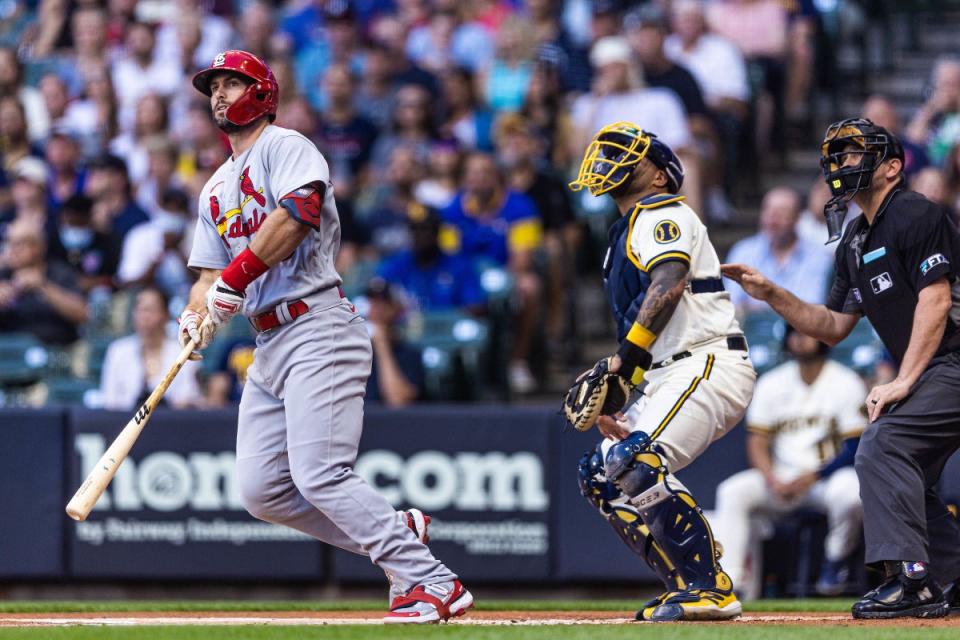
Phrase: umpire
[897,264]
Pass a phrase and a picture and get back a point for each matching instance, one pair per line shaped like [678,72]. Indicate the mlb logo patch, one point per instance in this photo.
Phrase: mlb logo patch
[881,282]
[931,262]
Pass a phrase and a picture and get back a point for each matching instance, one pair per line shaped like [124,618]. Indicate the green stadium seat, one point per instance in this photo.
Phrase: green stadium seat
[23,359]
[860,350]
[764,333]
[453,346]
[70,391]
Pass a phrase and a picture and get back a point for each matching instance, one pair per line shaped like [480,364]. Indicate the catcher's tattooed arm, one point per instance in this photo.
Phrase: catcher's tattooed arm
[667,283]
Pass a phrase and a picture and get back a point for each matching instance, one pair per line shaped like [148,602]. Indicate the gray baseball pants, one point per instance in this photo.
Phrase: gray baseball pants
[301,416]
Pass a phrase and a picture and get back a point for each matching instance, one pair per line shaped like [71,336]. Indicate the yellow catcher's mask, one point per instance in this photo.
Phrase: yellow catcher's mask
[611,156]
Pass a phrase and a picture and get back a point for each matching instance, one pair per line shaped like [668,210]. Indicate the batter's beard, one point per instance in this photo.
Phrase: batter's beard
[226,126]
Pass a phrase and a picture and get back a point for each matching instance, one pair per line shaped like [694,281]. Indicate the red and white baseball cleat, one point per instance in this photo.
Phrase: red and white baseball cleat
[430,603]
[417,522]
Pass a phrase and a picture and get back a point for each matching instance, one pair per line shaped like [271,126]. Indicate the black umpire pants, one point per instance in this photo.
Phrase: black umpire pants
[899,462]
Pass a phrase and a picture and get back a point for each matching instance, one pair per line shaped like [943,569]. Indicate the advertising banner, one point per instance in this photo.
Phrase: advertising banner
[173,509]
[32,474]
[481,473]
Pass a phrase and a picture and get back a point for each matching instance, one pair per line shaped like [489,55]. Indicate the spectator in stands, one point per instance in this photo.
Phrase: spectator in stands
[151,120]
[465,120]
[518,153]
[390,33]
[804,425]
[93,255]
[556,45]
[951,172]
[114,210]
[396,377]
[931,183]
[721,73]
[345,137]
[337,46]
[56,99]
[37,295]
[447,42]
[138,73]
[647,29]
[93,117]
[882,112]
[374,95]
[12,84]
[812,226]
[162,175]
[546,111]
[936,124]
[618,94]
[225,383]
[489,222]
[29,192]
[412,126]
[439,187]
[14,144]
[89,55]
[386,207]
[431,279]
[256,28]
[67,177]
[787,259]
[504,82]
[155,254]
[135,365]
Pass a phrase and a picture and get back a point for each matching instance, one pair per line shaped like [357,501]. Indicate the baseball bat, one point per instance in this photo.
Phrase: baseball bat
[96,483]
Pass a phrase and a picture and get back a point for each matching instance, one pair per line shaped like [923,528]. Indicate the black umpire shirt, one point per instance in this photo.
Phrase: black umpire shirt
[881,268]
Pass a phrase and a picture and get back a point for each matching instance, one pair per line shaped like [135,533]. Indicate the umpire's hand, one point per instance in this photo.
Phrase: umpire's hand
[753,282]
[885,395]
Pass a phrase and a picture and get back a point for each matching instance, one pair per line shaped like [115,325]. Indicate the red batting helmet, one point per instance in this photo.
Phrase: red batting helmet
[260,98]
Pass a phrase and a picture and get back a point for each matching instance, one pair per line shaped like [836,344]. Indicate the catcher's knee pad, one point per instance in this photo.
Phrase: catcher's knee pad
[670,513]
[622,516]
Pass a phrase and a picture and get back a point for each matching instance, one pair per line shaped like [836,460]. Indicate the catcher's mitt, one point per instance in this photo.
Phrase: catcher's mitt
[595,393]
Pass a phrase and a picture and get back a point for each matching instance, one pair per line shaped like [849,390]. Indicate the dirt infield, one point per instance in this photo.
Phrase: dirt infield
[481,618]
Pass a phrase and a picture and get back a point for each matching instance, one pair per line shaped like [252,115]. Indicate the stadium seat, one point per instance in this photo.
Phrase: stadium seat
[860,350]
[23,359]
[70,391]
[453,346]
[764,333]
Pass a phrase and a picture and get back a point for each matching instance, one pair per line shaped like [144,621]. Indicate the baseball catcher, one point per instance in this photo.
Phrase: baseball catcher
[677,332]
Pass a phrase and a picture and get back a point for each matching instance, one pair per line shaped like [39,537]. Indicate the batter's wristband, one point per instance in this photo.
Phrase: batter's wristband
[634,361]
[243,270]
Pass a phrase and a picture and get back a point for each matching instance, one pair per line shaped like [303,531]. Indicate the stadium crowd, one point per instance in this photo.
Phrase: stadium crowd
[450,129]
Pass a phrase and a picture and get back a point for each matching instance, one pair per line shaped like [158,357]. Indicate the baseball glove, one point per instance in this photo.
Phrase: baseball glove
[597,392]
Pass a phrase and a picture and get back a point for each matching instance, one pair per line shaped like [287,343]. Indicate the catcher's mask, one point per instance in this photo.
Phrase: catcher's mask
[851,151]
[616,150]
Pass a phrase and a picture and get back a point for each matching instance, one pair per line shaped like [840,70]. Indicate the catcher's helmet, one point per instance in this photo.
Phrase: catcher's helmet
[260,98]
[616,150]
[855,136]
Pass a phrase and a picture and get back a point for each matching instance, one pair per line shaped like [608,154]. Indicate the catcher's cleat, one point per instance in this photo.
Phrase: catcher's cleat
[695,604]
[430,603]
[646,610]
[902,597]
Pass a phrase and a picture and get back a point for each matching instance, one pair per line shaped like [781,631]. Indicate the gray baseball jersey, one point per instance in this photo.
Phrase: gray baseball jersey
[239,197]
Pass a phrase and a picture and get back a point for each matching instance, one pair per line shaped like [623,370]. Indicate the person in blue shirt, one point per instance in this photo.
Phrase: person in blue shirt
[489,223]
[435,280]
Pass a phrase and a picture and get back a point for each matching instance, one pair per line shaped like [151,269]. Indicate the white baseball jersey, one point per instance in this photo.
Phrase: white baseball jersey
[239,197]
[673,231]
[807,422]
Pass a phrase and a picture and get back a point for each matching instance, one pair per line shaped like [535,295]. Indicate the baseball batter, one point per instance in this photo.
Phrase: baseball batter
[265,244]
[677,331]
